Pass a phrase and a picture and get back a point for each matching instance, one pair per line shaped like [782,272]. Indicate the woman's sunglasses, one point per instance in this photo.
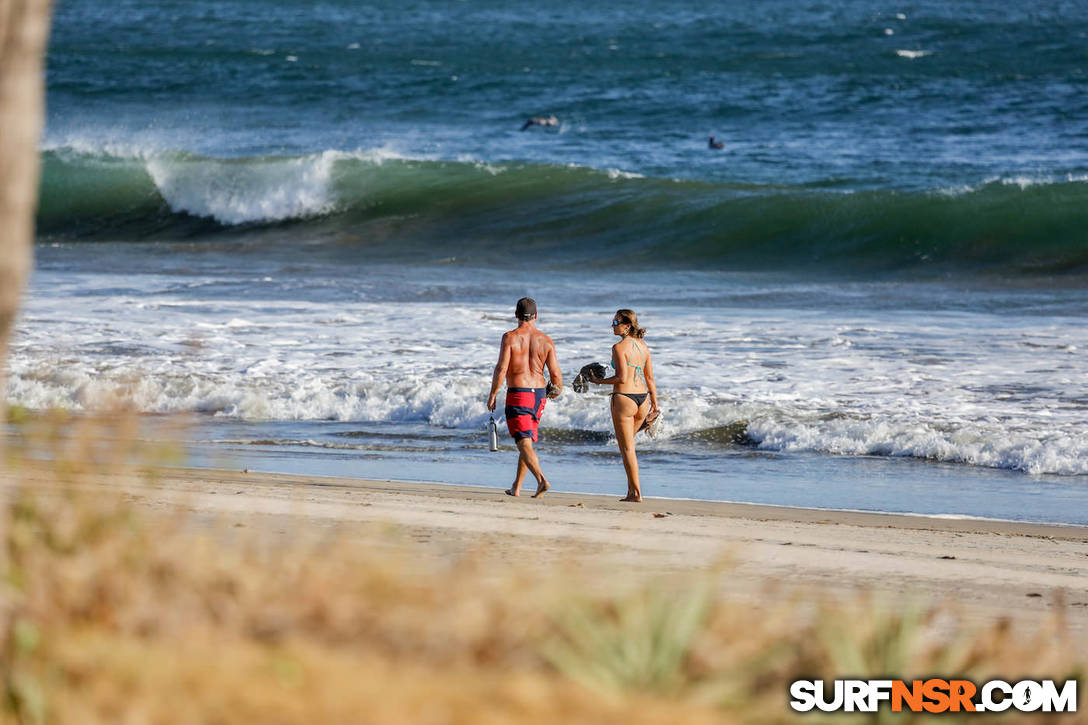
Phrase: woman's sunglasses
[617,323]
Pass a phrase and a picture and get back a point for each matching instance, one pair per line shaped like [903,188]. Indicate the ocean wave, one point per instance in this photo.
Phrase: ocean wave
[471,208]
[691,422]
[1021,182]
[238,193]
[1034,452]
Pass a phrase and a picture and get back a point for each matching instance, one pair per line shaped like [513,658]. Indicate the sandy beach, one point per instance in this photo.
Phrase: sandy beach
[987,569]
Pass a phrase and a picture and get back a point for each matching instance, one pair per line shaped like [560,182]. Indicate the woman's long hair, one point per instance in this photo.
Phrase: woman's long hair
[631,319]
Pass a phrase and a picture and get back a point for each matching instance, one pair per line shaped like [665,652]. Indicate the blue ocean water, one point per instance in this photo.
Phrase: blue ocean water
[845,94]
[307,224]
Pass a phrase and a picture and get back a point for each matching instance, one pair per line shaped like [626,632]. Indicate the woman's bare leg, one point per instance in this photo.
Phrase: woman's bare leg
[624,411]
[640,416]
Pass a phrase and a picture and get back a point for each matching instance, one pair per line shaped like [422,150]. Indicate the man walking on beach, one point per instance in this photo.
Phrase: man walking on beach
[524,352]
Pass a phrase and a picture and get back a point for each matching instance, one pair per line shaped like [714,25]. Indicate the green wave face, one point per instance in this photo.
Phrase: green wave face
[407,209]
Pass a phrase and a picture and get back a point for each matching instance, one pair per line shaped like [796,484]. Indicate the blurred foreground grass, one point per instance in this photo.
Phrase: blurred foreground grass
[110,613]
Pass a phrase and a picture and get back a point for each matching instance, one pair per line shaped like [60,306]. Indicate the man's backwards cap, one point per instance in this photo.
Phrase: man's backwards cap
[526,308]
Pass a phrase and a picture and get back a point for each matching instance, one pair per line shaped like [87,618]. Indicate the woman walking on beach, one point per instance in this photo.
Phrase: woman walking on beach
[632,384]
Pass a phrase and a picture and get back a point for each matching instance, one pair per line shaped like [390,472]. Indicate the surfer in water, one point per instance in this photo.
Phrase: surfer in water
[634,394]
[715,143]
[541,121]
[523,355]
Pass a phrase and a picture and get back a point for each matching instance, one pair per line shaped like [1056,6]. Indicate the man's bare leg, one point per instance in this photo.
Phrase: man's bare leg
[528,456]
[518,477]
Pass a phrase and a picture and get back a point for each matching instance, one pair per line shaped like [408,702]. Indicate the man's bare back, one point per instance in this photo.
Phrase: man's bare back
[523,354]
[529,350]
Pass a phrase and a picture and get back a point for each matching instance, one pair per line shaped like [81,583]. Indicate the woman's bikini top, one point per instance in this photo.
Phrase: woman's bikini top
[638,368]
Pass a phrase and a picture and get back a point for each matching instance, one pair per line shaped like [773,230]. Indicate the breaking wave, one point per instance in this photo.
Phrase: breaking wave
[453,405]
[396,206]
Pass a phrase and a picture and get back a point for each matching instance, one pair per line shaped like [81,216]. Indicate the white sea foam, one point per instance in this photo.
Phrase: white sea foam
[1025,182]
[611,173]
[493,169]
[91,146]
[912,54]
[234,192]
[970,388]
[1021,182]
[970,442]
[238,191]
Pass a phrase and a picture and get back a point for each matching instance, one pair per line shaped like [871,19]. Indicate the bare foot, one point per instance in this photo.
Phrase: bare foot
[541,489]
[631,499]
[510,492]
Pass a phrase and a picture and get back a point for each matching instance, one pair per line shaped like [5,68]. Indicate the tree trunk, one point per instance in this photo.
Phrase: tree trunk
[24,28]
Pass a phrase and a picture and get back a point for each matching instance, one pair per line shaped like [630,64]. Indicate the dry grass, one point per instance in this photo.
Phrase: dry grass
[116,615]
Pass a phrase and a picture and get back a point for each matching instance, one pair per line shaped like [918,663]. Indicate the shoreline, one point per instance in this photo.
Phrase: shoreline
[689,506]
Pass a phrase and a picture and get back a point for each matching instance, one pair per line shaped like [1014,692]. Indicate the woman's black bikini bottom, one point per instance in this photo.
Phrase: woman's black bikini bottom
[639,398]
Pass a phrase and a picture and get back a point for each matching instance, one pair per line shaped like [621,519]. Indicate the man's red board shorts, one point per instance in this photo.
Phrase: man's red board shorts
[524,406]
